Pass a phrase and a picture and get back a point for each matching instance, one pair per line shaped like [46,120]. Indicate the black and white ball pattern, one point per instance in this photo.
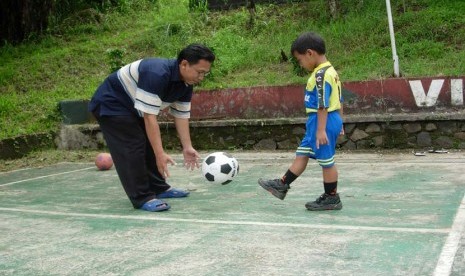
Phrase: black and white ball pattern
[220,167]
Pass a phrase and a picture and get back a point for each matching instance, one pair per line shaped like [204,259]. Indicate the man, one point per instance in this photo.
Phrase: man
[126,106]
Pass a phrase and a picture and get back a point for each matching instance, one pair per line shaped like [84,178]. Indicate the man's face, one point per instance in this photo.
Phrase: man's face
[306,60]
[194,73]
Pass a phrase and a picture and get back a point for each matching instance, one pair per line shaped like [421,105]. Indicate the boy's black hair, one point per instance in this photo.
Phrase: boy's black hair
[308,40]
[195,52]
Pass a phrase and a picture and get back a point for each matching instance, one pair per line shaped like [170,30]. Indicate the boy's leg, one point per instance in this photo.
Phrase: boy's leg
[330,177]
[299,164]
[329,200]
[279,186]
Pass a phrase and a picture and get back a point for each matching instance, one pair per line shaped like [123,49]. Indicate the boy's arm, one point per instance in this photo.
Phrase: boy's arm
[321,137]
[341,113]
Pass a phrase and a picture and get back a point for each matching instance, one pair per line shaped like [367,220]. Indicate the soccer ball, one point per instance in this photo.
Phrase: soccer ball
[220,167]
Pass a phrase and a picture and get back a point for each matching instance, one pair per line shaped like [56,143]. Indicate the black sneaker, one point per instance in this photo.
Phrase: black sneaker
[275,186]
[325,202]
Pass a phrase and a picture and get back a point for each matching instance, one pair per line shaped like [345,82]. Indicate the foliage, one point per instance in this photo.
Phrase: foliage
[27,20]
[115,57]
[72,59]
[198,5]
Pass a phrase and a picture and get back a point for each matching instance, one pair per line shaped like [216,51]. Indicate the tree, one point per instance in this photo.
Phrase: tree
[333,6]
[251,8]
[20,18]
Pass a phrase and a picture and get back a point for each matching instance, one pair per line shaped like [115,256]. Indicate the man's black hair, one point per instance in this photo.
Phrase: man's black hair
[195,52]
[308,41]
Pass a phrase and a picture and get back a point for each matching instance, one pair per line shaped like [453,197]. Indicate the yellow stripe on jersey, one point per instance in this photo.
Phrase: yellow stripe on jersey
[324,89]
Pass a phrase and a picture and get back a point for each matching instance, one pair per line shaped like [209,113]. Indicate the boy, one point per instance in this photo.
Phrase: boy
[126,106]
[324,124]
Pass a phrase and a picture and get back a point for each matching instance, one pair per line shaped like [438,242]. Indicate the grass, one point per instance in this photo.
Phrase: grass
[72,59]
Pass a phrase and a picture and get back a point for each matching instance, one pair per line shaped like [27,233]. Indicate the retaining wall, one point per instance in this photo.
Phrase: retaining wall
[393,113]
[417,131]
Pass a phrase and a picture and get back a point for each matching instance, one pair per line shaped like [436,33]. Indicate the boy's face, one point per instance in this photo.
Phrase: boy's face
[194,73]
[307,60]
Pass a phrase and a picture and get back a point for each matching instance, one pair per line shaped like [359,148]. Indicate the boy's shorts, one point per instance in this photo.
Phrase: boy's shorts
[325,154]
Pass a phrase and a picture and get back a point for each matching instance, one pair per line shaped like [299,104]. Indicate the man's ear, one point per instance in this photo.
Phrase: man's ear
[183,63]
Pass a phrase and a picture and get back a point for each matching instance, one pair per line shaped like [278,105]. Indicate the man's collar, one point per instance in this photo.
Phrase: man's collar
[176,75]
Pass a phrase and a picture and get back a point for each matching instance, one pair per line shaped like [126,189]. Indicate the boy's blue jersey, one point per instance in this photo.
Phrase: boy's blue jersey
[323,89]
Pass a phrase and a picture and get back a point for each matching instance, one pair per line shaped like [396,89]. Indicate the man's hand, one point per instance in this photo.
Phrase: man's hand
[191,158]
[163,160]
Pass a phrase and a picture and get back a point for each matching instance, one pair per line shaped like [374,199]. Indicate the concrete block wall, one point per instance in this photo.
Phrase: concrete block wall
[401,131]
[380,114]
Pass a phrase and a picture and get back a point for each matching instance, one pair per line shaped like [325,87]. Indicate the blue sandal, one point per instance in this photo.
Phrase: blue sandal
[173,193]
[155,205]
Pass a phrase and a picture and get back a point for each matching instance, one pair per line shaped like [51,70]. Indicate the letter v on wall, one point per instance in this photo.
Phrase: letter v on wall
[423,99]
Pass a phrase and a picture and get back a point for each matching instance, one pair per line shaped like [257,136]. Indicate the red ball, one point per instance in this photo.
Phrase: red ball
[103,161]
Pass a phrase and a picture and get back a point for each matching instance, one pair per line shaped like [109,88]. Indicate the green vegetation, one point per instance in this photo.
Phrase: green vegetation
[75,56]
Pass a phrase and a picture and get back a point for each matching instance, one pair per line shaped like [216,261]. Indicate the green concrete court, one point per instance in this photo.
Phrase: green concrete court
[402,215]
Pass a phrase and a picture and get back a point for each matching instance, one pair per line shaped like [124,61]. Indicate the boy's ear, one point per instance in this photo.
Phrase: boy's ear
[310,52]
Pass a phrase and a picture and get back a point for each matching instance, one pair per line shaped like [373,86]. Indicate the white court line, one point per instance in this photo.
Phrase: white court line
[46,166]
[446,259]
[44,176]
[236,222]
